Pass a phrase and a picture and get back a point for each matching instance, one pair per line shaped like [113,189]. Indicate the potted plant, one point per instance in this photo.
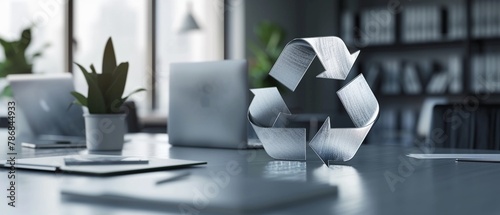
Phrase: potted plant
[104,122]
[17,61]
[267,49]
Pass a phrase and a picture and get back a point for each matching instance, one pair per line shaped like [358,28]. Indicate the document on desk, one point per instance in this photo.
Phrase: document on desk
[57,163]
[219,193]
[459,157]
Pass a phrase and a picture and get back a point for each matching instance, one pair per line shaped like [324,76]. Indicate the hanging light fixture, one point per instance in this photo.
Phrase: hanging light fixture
[189,23]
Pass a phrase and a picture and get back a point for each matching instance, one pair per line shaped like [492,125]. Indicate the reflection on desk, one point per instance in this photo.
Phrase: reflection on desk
[380,179]
[223,192]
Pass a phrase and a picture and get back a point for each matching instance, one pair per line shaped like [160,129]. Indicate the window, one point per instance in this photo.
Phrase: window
[47,18]
[175,45]
[126,22]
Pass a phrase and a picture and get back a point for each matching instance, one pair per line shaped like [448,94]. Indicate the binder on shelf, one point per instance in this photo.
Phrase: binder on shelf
[496,71]
[490,74]
[390,119]
[372,76]
[496,7]
[485,75]
[478,74]
[438,83]
[475,19]
[390,84]
[485,19]
[421,23]
[412,84]
[455,74]
[405,30]
[378,26]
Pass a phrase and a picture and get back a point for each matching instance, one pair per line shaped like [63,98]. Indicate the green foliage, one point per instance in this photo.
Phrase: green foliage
[16,60]
[270,43]
[105,90]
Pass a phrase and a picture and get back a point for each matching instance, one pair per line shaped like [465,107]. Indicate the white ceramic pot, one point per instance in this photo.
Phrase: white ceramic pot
[104,132]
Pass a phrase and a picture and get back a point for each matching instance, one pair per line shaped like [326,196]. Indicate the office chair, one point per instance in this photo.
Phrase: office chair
[4,123]
[466,126]
[133,124]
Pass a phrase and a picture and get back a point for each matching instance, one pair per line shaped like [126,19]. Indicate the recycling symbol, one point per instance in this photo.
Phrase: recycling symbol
[269,115]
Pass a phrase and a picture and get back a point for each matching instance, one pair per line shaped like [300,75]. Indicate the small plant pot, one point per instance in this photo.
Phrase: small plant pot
[105,132]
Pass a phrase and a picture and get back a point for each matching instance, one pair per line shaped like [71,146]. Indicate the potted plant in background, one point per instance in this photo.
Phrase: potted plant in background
[271,41]
[17,61]
[104,122]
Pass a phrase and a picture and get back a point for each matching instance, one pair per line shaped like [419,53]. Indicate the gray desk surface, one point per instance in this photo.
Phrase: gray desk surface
[419,187]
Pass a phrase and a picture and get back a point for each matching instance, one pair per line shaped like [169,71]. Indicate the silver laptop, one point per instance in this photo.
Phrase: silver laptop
[43,100]
[208,105]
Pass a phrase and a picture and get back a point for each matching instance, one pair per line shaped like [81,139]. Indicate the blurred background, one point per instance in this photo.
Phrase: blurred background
[414,54]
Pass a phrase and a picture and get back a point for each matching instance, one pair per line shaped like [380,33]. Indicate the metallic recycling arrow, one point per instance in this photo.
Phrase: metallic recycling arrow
[269,115]
[298,55]
[264,114]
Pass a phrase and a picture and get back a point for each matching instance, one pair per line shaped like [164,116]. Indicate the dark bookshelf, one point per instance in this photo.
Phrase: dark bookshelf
[396,47]
[439,32]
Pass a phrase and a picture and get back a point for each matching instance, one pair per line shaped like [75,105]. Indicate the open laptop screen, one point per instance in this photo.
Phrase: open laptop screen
[43,100]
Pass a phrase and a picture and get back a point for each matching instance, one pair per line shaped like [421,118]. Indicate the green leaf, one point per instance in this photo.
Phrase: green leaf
[3,72]
[8,48]
[38,54]
[115,106]
[109,59]
[104,81]
[84,71]
[274,40]
[95,99]
[25,40]
[2,42]
[93,69]
[80,99]
[132,93]
[117,103]
[7,91]
[263,61]
[115,90]
[16,60]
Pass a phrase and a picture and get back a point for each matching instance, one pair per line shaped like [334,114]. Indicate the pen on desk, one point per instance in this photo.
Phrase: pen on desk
[172,178]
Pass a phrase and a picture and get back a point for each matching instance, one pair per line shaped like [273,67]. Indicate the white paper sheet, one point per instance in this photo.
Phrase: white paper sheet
[459,157]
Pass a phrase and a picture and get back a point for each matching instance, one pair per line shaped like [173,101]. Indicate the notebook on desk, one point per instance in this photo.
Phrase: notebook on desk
[57,164]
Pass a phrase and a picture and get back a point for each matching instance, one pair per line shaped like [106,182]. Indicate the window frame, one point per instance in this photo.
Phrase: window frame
[151,45]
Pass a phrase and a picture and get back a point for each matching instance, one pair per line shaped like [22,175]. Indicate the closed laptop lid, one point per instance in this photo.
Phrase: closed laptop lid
[208,104]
